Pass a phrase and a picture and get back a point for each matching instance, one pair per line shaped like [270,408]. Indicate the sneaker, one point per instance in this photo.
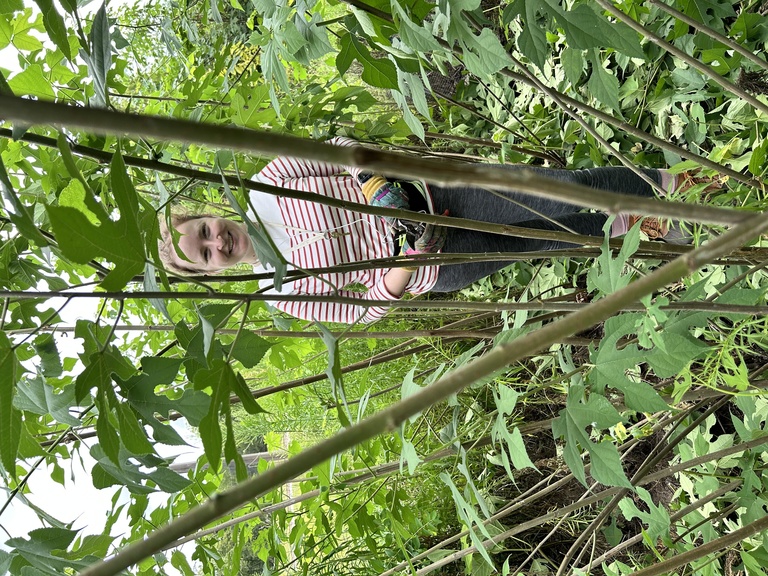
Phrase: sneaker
[669,231]
[687,180]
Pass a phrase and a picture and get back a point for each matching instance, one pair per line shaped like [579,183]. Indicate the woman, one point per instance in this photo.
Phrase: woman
[311,235]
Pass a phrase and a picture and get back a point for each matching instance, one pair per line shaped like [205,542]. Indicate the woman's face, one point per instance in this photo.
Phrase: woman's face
[212,244]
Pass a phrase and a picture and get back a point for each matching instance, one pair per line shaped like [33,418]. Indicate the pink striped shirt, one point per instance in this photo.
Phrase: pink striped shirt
[324,236]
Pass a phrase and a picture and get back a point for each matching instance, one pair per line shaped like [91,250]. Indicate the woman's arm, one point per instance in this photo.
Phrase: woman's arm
[285,168]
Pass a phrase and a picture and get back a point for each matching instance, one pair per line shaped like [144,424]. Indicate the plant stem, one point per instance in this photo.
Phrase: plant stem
[391,418]
[244,140]
[418,304]
[393,335]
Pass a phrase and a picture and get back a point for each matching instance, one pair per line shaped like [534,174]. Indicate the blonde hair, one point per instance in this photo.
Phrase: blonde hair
[165,245]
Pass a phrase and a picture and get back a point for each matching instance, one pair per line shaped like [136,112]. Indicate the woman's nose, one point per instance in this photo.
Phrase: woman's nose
[216,242]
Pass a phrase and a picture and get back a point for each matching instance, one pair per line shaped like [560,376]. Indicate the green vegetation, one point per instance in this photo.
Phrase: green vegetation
[599,410]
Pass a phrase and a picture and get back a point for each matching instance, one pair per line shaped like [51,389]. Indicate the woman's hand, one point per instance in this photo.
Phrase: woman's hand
[382,193]
[431,241]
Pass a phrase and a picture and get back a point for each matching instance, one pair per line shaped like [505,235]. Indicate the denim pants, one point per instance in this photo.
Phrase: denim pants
[479,204]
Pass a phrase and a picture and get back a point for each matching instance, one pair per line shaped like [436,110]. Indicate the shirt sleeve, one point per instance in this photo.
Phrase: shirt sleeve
[337,312]
[284,169]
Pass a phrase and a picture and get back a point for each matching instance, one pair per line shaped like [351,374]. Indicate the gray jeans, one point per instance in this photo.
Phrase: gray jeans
[479,204]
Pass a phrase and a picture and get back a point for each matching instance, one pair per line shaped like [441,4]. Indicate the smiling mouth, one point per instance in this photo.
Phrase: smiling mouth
[231,242]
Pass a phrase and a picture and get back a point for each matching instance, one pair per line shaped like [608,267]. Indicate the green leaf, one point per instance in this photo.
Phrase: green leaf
[230,449]
[73,196]
[377,72]
[92,545]
[130,475]
[120,242]
[333,370]
[469,516]
[32,82]
[511,446]
[410,119]
[207,330]
[680,348]
[50,363]
[249,348]
[505,398]
[707,11]
[10,418]
[573,64]
[106,431]
[222,380]
[484,54]
[409,456]
[603,85]
[532,40]
[606,465]
[69,5]
[611,365]
[607,277]
[757,161]
[11,6]
[139,391]
[70,164]
[39,550]
[100,60]
[585,28]
[132,435]
[150,285]
[37,396]
[575,418]
[657,519]
[99,370]
[54,25]
[19,213]
[414,36]
[4,87]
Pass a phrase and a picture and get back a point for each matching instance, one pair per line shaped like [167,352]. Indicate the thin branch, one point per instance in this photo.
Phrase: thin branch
[269,333]
[647,249]
[417,304]
[101,121]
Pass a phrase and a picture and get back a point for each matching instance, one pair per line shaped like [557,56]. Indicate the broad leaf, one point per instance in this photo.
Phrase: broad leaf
[100,59]
[612,363]
[37,396]
[377,72]
[606,464]
[603,85]
[54,25]
[10,417]
[19,213]
[249,348]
